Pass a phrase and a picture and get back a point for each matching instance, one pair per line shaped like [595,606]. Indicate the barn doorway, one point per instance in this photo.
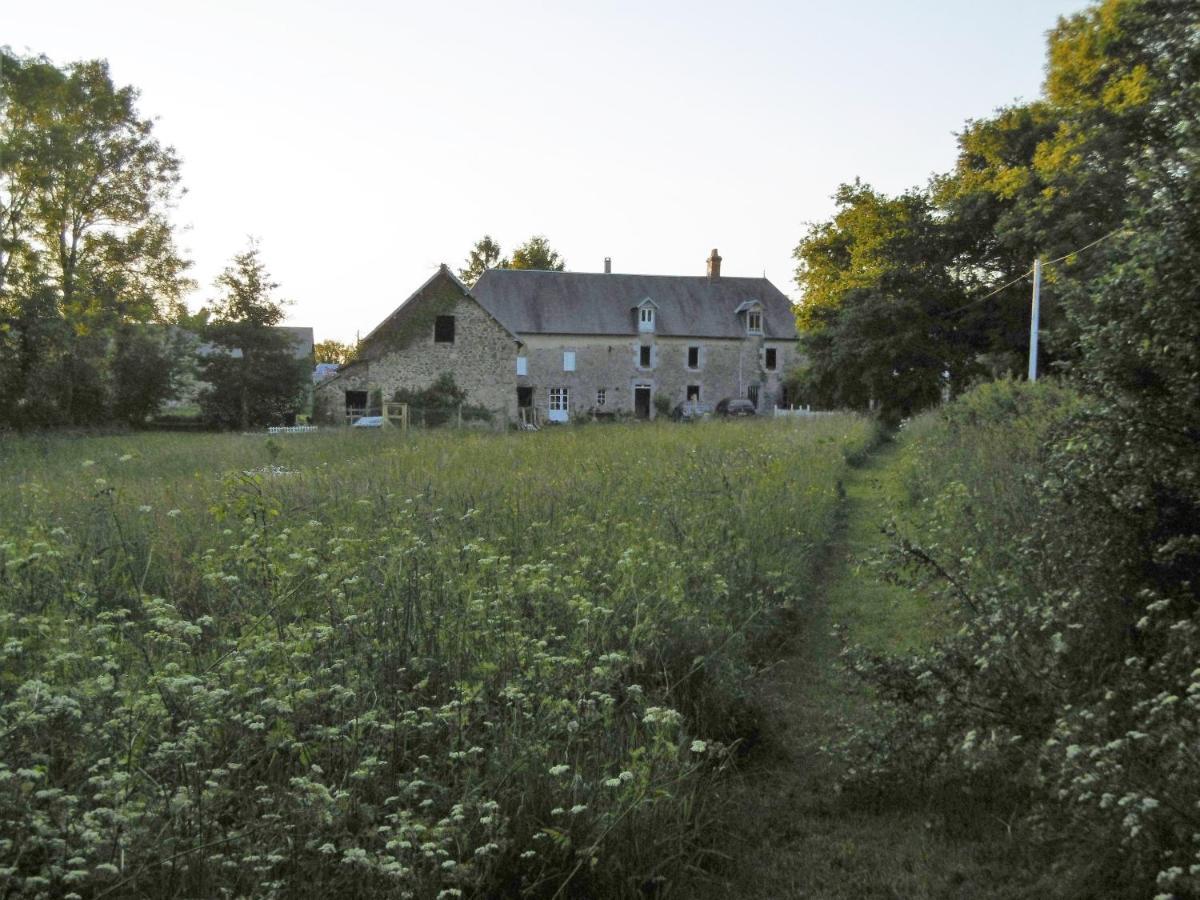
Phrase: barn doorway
[356,405]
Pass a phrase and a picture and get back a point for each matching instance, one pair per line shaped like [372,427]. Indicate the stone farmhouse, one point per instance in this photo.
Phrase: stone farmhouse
[557,346]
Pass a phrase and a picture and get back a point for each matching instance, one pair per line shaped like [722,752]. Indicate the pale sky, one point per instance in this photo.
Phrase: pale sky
[365,142]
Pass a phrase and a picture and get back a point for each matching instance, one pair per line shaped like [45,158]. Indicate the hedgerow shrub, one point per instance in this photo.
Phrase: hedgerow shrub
[1064,696]
[432,666]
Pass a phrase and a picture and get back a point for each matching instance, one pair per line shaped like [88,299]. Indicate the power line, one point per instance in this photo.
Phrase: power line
[1026,274]
[966,306]
[1098,240]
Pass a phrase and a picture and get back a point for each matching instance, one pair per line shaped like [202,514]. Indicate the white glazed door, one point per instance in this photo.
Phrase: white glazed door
[559,404]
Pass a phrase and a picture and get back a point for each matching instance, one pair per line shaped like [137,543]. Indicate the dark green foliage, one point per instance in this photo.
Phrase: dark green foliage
[145,365]
[441,403]
[1064,536]
[262,386]
[878,318]
[1038,180]
[253,374]
[85,246]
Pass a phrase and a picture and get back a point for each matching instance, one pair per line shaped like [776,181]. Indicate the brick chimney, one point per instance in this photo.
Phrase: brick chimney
[714,264]
[608,265]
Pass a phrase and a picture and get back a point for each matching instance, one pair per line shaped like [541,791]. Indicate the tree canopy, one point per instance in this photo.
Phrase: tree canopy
[253,375]
[86,250]
[1038,180]
[535,253]
[331,351]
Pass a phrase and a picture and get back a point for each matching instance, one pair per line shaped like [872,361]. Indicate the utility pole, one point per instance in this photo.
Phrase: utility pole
[1033,320]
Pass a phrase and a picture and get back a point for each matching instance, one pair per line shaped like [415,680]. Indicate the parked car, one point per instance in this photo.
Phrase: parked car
[732,407]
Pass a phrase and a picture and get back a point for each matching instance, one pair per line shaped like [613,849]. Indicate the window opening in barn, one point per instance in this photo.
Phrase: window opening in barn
[644,356]
[524,397]
[693,357]
[443,329]
[754,321]
[601,396]
[752,394]
[770,358]
[356,401]
[522,365]
[693,393]
[568,360]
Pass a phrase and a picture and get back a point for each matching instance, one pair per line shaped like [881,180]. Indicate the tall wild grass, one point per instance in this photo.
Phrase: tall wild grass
[365,665]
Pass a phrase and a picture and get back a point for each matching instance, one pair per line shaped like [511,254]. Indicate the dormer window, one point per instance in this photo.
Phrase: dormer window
[646,314]
[753,311]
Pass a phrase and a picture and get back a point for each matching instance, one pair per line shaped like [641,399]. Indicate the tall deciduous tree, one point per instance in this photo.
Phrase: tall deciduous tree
[85,246]
[334,352]
[535,253]
[878,319]
[253,375]
[486,254]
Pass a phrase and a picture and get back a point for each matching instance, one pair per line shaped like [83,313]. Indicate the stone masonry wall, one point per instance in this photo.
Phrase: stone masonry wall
[727,368]
[403,354]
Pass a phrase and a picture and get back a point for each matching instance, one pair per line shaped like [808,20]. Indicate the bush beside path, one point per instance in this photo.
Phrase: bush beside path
[792,834]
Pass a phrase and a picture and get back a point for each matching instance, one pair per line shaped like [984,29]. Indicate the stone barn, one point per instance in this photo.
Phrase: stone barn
[440,329]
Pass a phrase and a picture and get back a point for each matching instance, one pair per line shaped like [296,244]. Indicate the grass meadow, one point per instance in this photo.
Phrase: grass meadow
[435,665]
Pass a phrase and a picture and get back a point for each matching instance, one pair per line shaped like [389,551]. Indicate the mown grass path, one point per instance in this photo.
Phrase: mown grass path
[791,834]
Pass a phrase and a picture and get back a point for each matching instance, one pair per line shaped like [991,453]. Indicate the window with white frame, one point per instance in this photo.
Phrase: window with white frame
[522,365]
[601,396]
[559,399]
[754,321]
[646,318]
[568,360]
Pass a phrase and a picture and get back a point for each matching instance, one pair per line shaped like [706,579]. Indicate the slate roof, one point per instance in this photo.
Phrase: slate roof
[300,336]
[530,301]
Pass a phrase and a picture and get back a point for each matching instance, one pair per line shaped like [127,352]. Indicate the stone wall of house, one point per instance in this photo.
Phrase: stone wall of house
[402,354]
[727,368]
